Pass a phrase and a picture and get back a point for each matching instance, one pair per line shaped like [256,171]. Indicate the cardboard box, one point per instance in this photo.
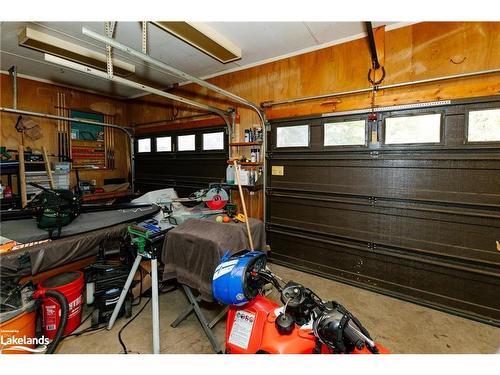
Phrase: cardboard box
[244,177]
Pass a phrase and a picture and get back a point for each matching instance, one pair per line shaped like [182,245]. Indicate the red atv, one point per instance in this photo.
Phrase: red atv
[304,324]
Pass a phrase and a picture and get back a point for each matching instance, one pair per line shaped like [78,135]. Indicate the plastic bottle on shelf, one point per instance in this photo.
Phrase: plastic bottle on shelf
[251,178]
[258,134]
[253,155]
[230,175]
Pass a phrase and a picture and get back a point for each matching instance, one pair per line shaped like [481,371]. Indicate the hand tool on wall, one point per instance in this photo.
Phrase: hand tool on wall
[249,233]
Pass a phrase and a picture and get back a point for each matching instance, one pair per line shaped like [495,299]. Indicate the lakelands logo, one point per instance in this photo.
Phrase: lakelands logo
[10,342]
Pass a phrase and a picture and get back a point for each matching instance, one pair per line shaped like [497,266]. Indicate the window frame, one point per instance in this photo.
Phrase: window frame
[343,120]
[441,114]
[293,147]
[151,148]
[466,127]
[171,144]
[224,145]
[186,135]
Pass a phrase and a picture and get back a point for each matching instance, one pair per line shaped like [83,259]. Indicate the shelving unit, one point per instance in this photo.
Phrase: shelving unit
[88,154]
[244,144]
[42,176]
[254,194]
[246,163]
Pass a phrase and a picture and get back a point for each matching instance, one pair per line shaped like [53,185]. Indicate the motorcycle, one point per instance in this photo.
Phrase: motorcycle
[304,324]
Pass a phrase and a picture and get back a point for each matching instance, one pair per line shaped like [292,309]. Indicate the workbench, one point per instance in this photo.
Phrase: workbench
[193,250]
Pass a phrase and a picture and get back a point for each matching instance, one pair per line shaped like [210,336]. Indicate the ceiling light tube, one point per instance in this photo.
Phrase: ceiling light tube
[97,73]
[39,41]
[203,38]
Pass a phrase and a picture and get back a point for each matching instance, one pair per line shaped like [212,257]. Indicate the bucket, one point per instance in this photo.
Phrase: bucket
[71,285]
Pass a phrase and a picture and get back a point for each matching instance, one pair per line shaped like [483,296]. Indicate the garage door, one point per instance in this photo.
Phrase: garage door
[186,160]
[408,205]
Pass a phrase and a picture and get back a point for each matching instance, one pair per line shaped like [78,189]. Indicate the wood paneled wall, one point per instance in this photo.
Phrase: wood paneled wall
[415,52]
[42,97]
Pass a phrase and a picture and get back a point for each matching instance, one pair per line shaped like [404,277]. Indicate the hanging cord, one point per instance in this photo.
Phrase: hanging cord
[375,84]
[124,347]
[374,90]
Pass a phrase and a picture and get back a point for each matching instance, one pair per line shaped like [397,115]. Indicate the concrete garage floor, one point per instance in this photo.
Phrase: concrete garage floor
[401,326]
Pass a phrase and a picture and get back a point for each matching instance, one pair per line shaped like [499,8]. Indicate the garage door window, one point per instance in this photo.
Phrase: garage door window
[144,145]
[413,129]
[348,133]
[164,144]
[213,141]
[292,136]
[186,142]
[484,126]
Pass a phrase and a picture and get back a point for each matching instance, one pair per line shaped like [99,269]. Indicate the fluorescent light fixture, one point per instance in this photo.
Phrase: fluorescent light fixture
[39,41]
[204,38]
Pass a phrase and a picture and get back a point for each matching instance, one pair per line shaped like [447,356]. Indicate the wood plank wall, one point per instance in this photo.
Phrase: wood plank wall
[415,52]
[42,97]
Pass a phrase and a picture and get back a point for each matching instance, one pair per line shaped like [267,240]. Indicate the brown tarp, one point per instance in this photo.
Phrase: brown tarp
[82,240]
[56,253]
[193,250]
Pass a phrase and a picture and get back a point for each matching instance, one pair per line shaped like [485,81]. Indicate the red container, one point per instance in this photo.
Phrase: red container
[71,285]
[251,329]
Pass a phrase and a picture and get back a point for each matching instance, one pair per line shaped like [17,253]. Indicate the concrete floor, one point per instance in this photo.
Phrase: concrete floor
[400,326]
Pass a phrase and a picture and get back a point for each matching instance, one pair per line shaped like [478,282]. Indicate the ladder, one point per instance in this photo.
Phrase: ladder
[43,177]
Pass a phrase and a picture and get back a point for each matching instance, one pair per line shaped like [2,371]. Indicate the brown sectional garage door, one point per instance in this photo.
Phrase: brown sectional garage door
[417,219]
[184,171]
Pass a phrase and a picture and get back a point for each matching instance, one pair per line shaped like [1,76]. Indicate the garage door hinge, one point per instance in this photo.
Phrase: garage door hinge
[372,200]
[371,246]
[268,226]
[269,191]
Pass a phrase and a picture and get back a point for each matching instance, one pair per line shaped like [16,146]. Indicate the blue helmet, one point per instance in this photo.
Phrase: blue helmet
[231,284]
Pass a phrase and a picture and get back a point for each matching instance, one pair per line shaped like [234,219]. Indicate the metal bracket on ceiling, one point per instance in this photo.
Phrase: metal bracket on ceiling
[375,63]
[144,37]
[13,75]
[110,29]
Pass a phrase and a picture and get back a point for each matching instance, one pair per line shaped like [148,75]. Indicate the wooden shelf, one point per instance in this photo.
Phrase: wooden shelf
[249,187]
[86,140]
[245,163]
[244,144]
